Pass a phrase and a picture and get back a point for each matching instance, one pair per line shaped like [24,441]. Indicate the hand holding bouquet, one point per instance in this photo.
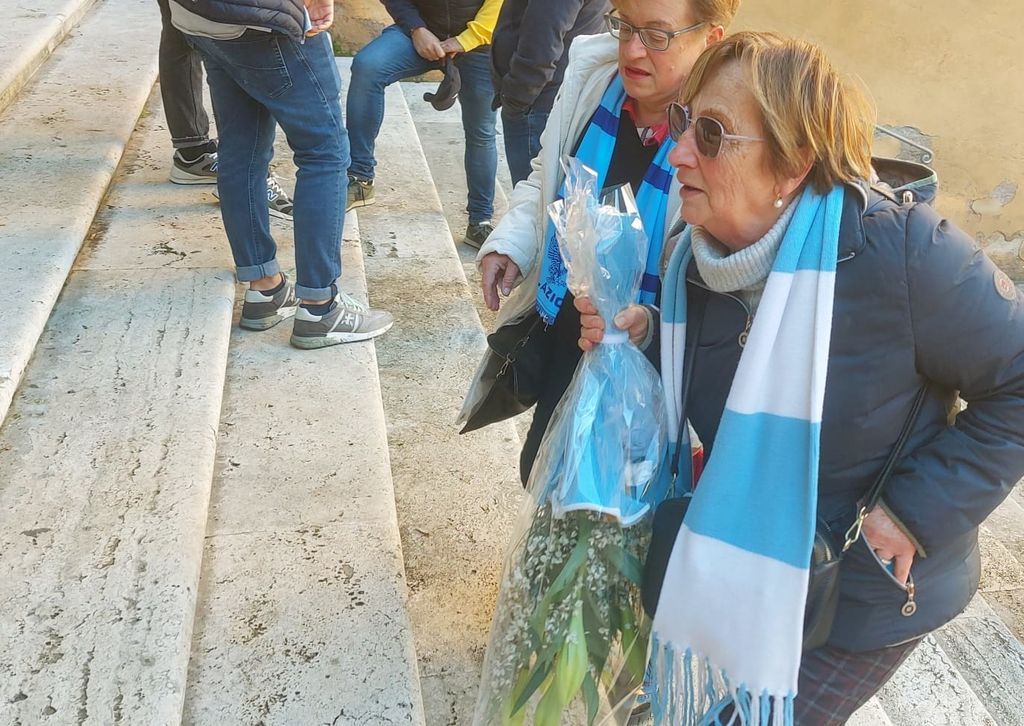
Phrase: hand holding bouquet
[569,638]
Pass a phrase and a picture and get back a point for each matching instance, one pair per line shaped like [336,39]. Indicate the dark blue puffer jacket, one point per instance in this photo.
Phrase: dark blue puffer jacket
[915,300]
[280,16]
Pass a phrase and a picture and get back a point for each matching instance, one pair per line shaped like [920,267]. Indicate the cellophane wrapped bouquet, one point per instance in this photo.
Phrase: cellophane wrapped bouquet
[568,642]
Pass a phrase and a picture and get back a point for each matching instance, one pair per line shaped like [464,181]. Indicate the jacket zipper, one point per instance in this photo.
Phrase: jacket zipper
[910,606]
[742,339]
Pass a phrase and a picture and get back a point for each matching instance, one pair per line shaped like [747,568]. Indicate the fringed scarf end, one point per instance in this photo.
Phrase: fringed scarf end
[690,691]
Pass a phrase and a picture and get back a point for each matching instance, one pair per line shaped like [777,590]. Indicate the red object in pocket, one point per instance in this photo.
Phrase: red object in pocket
[697,460]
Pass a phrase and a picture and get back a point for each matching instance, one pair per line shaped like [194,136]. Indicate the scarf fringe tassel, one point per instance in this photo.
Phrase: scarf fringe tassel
[690,691]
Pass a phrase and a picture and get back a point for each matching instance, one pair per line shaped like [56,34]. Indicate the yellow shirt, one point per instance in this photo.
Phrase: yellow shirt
[479,30]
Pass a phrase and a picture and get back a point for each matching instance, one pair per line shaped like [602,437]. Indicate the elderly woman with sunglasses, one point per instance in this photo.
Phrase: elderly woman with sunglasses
[804,314]
[610,114]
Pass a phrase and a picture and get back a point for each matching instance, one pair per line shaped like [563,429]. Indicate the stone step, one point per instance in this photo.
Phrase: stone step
[106,460]
[989,658]
[950,676]
[302,609]
[456,496]
[928,690]
[60,142]
[29,34]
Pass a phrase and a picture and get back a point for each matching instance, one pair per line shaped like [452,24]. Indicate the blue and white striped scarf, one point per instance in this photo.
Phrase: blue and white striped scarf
[729,624]
[595,151]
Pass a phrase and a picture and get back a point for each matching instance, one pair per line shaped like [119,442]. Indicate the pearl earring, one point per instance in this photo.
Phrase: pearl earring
[777,203]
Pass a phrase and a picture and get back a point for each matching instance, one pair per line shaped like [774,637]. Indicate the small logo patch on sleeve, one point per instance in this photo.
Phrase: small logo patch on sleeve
[1005,287]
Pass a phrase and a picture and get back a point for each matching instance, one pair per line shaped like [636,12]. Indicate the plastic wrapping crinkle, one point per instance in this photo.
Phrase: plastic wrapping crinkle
[568,642]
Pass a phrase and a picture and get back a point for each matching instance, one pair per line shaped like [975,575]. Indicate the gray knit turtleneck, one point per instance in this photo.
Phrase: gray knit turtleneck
[744,271]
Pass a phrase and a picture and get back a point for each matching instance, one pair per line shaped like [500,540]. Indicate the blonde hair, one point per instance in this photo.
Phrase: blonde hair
[712,12]
[715,12]
[809,111]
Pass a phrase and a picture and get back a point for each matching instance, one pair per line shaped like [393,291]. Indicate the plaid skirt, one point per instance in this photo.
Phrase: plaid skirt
[834,683]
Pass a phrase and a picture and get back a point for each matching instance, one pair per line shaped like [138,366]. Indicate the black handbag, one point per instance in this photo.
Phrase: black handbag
[823,575]
[513,374]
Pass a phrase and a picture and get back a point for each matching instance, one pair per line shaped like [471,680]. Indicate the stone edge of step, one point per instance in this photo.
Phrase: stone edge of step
[25,325]
[38,45]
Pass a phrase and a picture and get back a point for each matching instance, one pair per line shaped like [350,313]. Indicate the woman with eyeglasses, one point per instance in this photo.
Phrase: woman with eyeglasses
[806,314]
[611,114]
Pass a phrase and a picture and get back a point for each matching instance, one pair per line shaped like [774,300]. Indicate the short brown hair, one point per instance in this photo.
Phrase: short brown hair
[715,12]
[806,106]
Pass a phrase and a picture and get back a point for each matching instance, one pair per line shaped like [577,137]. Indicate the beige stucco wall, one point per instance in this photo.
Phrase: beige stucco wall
[950,71]
[356,22]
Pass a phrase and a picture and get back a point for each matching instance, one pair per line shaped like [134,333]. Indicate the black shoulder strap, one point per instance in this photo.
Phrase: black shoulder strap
[698,311]
[875,492]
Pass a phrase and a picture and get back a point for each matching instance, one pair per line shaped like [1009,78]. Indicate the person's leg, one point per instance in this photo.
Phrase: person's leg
[834,683]
[246,146]
[478,122]
[309,114]
[522,140]
[308,110]
[384,60]
[181,86]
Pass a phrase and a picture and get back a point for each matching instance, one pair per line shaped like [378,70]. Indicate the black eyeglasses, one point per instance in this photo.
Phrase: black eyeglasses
[653,38]
[707,132]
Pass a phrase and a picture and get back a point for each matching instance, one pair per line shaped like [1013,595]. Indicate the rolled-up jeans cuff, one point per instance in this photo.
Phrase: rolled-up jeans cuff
[257,272]
[188,142]
[314,293]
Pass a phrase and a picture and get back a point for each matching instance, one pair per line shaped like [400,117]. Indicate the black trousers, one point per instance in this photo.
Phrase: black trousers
[181,86]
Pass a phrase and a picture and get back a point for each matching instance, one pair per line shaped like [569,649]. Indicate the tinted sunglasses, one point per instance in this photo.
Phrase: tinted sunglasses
[707,132]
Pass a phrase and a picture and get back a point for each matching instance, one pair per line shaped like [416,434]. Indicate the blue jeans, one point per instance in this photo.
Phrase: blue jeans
[256,80]
[392,57]
[522,140]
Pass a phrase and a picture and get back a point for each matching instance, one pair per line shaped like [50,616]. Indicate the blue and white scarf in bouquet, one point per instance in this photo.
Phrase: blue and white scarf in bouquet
[595,151]
[729,623]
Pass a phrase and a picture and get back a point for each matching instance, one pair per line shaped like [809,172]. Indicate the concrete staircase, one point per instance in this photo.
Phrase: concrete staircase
[196,526]
[204,526]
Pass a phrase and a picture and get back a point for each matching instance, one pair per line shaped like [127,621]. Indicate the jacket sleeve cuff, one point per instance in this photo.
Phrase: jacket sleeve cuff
[902,527]
[649,311]
[470,40]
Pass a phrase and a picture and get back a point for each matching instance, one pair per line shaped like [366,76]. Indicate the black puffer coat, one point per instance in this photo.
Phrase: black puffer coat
[280,16]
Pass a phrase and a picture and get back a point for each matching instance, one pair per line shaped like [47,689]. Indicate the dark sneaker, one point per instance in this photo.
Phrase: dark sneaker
[260,312]
[477,234]
[348,322]
[278,201]
[201,171]
[360,193]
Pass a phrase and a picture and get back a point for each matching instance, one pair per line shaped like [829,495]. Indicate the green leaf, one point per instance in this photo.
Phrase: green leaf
[592,699]
[626,563]
[540,671]
[634,644]
[549,710]
[571,666]
[565,577]
[597,646]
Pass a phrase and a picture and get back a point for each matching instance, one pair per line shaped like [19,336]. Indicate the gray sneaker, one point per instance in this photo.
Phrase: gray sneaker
[278,201]
[477,234]
[201,171]
[279,204]
[260,312]
[348,322]
[360,193]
